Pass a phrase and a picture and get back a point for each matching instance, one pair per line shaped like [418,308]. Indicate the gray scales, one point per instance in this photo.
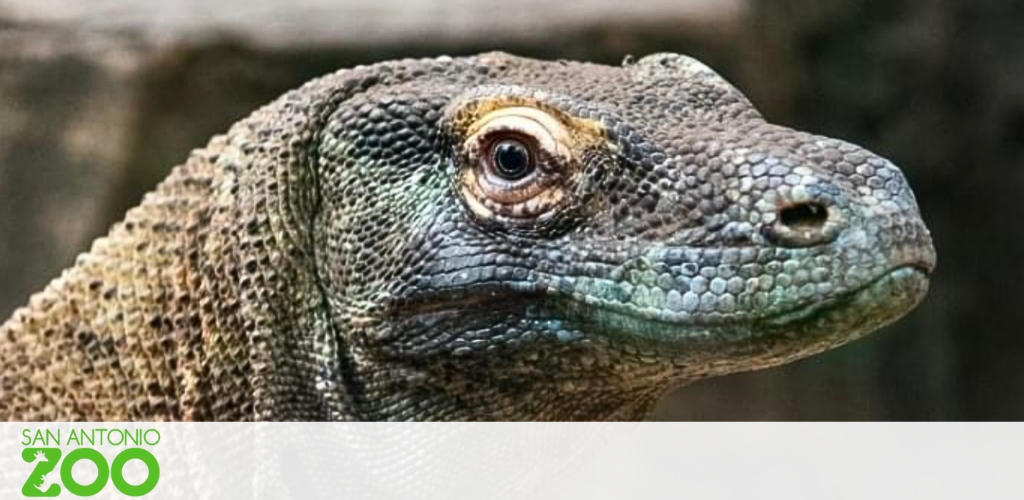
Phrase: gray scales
[487,237]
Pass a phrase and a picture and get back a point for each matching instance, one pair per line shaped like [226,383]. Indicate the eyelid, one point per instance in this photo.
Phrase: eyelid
[551,135]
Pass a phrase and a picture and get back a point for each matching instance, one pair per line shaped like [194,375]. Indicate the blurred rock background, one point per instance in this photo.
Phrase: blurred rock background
[100,98]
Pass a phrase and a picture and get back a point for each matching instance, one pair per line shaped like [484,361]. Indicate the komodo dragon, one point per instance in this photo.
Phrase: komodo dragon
[487,237]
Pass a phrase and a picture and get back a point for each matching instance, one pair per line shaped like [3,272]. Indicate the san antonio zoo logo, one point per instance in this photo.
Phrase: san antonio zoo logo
[49,472]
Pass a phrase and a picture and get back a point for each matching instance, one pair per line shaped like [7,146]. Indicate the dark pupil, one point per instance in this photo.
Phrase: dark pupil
[512,159]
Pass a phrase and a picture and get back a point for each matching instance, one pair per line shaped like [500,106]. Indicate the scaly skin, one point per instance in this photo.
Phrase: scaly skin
[368,247]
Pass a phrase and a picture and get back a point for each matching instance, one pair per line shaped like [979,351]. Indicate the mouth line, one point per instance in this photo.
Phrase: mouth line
[782,318]
[661,318]
[807,310]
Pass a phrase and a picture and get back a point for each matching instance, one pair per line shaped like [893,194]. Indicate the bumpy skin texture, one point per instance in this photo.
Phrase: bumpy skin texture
[340,255]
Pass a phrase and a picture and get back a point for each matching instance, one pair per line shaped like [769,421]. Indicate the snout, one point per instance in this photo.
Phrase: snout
[826,192]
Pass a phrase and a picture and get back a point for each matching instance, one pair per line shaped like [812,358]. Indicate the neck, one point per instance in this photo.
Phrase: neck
[497,386]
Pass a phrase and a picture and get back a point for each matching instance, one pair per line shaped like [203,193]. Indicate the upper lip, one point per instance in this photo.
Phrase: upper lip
[805,310]
[788,315]
[924,264]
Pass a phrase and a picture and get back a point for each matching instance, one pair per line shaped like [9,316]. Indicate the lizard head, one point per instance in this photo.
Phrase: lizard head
[520,226]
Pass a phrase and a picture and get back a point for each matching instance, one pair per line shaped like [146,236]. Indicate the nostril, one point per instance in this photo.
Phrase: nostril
[804,224]
[807,216]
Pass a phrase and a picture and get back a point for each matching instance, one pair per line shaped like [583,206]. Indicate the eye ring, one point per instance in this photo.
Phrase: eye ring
[517,163]
[568,153]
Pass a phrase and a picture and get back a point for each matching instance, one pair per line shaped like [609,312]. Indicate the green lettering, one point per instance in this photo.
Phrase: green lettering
[115,441]
[41,483]
[117,472]
[102,472]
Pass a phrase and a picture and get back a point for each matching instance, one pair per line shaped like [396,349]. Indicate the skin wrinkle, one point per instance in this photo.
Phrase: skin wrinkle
[337,255]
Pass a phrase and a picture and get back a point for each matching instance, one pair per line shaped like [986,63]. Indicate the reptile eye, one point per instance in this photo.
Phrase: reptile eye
[512,159]
[517,162]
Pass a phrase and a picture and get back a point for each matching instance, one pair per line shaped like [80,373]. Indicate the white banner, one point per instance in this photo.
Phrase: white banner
[510,460]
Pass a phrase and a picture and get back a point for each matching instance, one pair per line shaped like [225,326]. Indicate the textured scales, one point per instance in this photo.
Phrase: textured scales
[334,256]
